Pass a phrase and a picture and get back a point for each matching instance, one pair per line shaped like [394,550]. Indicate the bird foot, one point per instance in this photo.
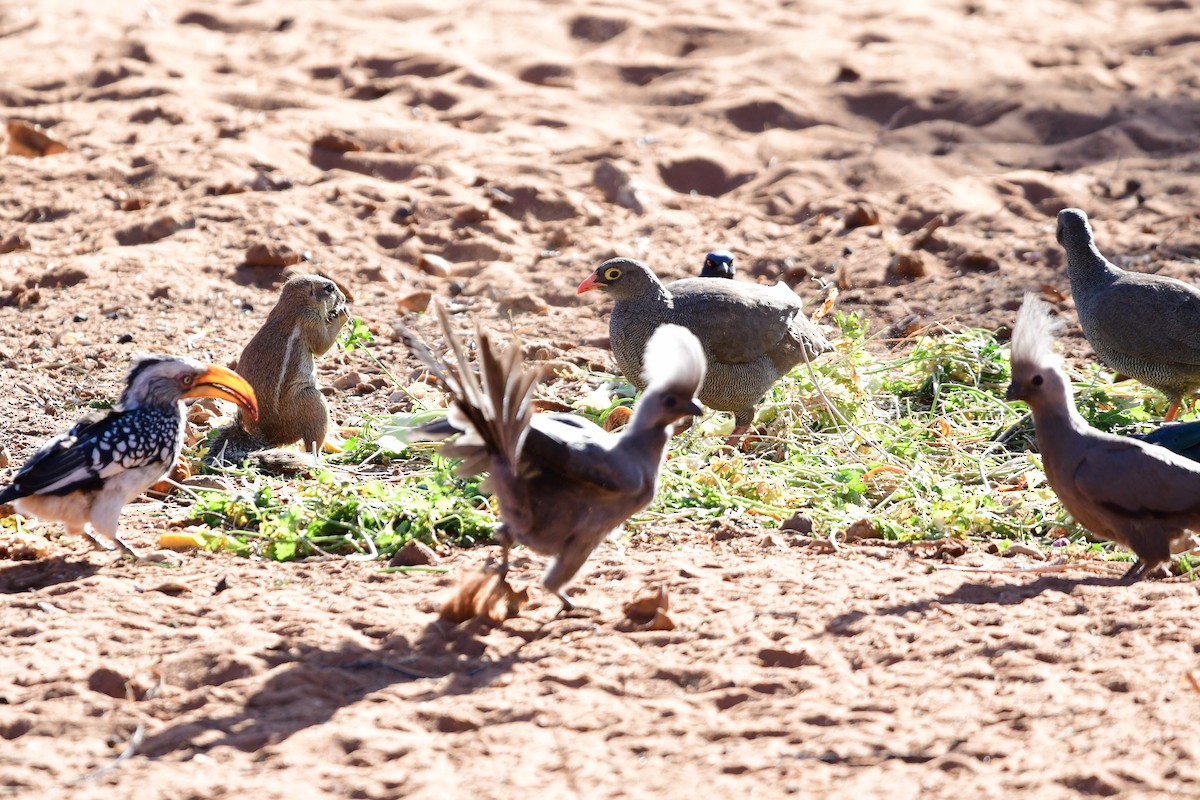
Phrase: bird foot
[571,611]
[1134,573]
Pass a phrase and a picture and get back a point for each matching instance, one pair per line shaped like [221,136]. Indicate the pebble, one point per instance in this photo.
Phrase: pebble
[347,381]
[434,265]
[414,554]
[415,301]
[906,266]
[271,255]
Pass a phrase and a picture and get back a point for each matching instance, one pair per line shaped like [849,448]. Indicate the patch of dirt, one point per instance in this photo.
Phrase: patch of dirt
[453,149]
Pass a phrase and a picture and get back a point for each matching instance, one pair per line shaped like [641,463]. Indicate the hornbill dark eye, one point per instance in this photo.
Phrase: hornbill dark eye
[670,401]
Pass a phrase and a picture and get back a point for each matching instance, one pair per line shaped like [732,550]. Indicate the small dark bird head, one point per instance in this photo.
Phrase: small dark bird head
[673,369]
[1037,376]
[621,278]
[165,380]
[718,264]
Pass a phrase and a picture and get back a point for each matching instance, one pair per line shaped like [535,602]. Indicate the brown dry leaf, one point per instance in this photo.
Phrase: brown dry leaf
[1052,293]
[617,418]
[648,610]
[28,140]
[271,255]
[483,594]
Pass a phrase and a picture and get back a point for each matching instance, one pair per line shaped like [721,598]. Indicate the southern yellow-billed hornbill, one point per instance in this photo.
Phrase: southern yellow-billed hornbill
[84,477]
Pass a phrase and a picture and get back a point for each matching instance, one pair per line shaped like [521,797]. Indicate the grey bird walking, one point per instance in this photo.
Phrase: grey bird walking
[751,334]
[563,484]
[1144,326]
[1136,494]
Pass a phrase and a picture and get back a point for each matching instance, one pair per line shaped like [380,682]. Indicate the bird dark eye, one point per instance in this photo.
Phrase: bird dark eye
[670,401]
[611,274]
[1037,380]
[187,380]
[329,289]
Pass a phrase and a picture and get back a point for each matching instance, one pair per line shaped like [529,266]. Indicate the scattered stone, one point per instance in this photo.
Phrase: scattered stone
[339,142]
[12,243]
[271,255]
[5,457]
[1022,549]
[145,233]
[348,381]
[523,303]
[434,265]
[108,681]
[29,140]
[416,301]
[861,530]
[414,554]
[618,187]
[860,216]
[207,482]
[978,262]
[798,522]
[906,267]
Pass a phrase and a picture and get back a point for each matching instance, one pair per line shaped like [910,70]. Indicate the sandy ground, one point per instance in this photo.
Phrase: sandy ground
[514,145]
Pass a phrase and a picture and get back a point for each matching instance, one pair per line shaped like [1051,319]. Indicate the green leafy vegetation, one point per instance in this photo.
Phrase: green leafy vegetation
[920,445]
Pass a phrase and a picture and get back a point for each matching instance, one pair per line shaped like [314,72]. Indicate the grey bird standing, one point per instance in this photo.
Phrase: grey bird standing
[84,477]
[1144,326]
[717,264]
[563,483]
[751,334]
[1136,494]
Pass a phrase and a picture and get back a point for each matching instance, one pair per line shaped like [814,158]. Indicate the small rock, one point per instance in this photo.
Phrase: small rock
[29,140]
[5,457]
[339,142]
[416,301]
[434,265]
[860,530]
[860,216]
[347,381]
[1022,549]
[108,681]
[271,255]
[978,262]
[797,522]
[524,302]
[617,186]
[906,267]
[13,243]
[414,554]
[125,338]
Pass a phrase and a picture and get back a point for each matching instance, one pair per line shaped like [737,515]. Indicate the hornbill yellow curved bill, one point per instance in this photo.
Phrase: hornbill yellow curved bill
[84,477]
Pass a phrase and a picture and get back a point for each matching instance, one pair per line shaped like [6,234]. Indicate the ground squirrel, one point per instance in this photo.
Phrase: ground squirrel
[279,363]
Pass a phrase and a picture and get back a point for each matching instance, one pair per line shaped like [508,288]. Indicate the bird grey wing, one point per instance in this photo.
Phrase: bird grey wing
[580,450]
[1134,480]
[1167,332]
[737,322]
[67,462]
[1182,438]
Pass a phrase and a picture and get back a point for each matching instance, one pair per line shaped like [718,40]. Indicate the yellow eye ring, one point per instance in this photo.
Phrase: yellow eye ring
[612,273]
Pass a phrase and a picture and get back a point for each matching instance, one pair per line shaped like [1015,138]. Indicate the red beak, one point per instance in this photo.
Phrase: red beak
[591,282]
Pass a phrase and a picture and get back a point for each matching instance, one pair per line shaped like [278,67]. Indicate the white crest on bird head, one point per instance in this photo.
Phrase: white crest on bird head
[674,358]
[1033,335]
